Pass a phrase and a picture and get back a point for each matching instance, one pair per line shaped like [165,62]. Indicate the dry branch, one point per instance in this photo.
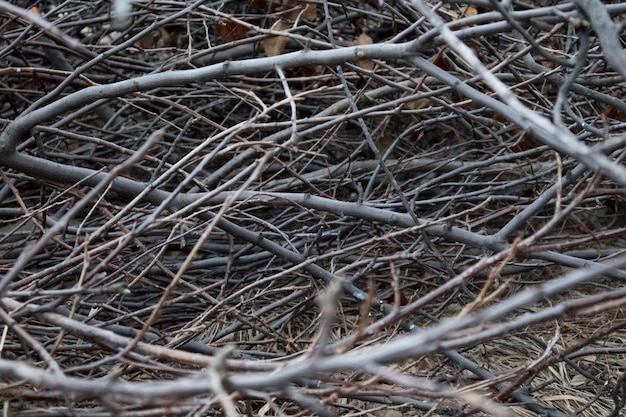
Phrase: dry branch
[182,181]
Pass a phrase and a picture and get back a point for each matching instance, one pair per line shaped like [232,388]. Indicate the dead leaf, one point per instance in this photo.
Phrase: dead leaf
[470,11]
[613,112]
[418,104]
[229,30]
[391,299]
[383,142]
[178,36]
[257,5]
[301,8]
[294,7]
[455,12]
[159,38]
[275,45]
[363,39]
[310,10]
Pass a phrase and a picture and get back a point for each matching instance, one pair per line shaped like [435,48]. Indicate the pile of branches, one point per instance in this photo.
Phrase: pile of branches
[309,207]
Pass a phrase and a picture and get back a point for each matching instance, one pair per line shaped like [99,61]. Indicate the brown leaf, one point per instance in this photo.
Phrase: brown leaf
[159,38]
[383,141]
[272,6]
[275,45]
[455,12]
[524,143]
[178,36]
[310,10]
[470,11]
[613,112]
[257,5]
[229,30]
[297,9]
[440,61]
[418,104]
[363,39]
